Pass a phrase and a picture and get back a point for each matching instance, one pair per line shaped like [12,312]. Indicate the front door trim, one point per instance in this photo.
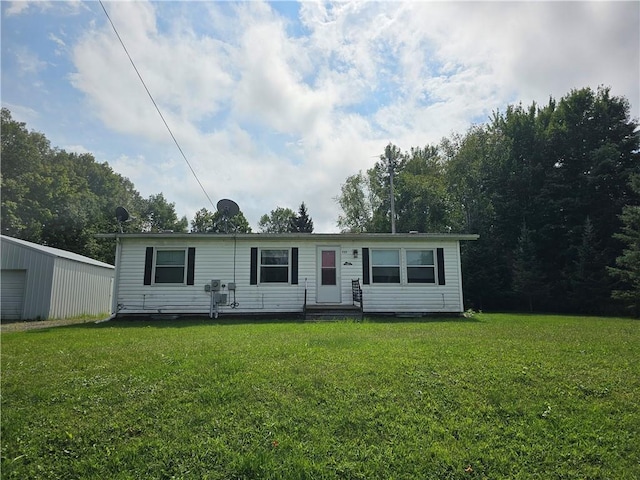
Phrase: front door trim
[328,281]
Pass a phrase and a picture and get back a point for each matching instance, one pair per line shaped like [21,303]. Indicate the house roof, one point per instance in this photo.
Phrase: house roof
[299,236]
[54,252]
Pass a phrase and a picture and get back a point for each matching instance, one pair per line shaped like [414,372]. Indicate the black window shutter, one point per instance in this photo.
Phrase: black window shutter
[253,275]
[365,266]
[294,266]
[191,265]
[440,256]
[148,265]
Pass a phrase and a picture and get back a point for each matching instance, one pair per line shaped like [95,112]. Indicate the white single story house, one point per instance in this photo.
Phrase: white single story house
[182,273]
[39,282]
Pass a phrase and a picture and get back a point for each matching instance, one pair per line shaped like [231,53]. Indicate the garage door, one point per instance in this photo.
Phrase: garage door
[12,293]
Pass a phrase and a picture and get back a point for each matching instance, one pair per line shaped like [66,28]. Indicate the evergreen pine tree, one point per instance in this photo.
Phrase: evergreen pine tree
[588,276]
[528,276]
[302,223]
[627,270]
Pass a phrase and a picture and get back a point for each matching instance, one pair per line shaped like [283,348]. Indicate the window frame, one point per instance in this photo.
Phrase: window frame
[432,266]
[328,274]
[373,266]
[184,265]
[262,280]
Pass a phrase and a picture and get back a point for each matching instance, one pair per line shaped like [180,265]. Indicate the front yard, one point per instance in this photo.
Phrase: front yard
[494,396]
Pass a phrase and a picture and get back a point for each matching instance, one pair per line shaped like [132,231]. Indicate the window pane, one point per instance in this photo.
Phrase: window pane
[386,274]
[170,257]
[328,276]
[274,274]
[328,259]
[421,275]
[422,257]
[274,257]
[169,274]
[385,257]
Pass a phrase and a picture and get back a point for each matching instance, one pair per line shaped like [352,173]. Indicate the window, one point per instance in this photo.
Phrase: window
[170,266]
[274,266]
[385,266]
[328,275]
[420,266]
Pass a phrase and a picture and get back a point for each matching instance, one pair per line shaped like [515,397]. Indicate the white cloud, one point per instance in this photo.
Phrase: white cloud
[28,61]
[22,113]
[57,40]
[184,73]
[17,8]
[23,7]
[79,149]
[272,113]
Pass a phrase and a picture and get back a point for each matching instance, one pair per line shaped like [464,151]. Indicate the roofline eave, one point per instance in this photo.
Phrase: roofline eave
[293,236]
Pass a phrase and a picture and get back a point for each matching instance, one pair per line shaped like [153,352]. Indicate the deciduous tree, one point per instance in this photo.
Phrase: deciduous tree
[60,199]
[213,222]
[278,221]
[357,203]
[160,215]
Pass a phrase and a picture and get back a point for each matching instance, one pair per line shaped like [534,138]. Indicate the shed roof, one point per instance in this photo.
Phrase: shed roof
[55,252]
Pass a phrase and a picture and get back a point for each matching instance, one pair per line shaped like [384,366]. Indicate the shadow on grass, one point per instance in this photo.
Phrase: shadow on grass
[225,321]
[425,319]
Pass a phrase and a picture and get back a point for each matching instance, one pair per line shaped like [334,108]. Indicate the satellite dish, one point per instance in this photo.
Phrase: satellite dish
[228,208]
[121,214]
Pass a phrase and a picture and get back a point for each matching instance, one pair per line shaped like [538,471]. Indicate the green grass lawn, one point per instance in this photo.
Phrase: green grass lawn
[495,396]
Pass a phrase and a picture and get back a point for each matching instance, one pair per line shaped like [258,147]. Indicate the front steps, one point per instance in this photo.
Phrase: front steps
[316,313]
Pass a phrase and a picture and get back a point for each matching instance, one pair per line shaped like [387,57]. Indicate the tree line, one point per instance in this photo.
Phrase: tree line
[62,199]
[548,188]
[280,220]
[551,190]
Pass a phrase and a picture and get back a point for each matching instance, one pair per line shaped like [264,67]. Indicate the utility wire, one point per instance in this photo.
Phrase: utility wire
[156,105]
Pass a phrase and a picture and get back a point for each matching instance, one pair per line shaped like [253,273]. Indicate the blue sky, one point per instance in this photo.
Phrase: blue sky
[277,103]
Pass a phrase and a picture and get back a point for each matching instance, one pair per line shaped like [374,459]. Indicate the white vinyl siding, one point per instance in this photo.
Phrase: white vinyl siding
[215,260]
[420,297]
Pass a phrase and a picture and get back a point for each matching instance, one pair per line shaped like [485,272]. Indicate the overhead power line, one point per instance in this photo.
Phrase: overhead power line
[155,104]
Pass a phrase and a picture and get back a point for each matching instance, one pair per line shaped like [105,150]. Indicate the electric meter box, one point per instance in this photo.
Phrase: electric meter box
[220,298]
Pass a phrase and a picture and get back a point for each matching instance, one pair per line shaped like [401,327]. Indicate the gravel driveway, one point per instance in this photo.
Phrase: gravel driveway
[23,326]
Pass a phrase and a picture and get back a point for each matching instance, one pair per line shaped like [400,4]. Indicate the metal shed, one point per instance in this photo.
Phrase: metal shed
[39,282]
